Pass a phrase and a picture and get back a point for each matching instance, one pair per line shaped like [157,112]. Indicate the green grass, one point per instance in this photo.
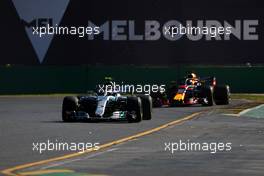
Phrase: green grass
[253,97]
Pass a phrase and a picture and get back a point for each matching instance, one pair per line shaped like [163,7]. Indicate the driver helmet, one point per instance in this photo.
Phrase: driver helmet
[191,76]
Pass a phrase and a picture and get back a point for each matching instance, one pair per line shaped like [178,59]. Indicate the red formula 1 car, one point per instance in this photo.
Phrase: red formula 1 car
[193,90]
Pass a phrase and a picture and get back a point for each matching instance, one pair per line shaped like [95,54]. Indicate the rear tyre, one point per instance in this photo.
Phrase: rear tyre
[146,106]
[222,95]
[134,107]
[207,94]
[69,105]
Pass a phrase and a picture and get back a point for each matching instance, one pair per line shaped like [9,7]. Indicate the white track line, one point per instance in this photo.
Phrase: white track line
[250,109]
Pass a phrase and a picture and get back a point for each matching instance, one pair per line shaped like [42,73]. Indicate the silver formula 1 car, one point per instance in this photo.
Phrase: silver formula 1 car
[110,106]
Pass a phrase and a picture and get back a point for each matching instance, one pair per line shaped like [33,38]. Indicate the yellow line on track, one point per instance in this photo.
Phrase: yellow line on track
[41,172]
[13,170]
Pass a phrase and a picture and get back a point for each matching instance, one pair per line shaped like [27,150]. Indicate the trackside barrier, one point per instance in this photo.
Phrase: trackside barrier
[79,79]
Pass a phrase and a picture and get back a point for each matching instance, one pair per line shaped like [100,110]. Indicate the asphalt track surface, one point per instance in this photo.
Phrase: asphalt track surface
[28,120]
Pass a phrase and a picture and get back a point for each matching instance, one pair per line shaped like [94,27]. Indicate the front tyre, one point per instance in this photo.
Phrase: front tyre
[146,106]
[222,95]
[134,108]
[69,105]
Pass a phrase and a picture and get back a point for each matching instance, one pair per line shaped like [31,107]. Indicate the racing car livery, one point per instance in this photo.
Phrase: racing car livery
[133,108]
[193,90]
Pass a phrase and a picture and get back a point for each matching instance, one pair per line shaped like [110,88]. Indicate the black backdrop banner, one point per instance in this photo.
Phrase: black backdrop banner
[18,46]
